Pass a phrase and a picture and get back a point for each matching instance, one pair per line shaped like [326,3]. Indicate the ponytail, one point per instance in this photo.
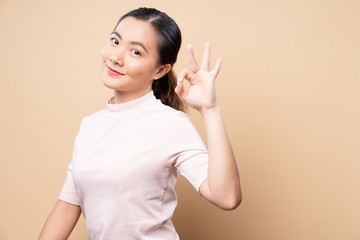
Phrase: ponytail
[164,89]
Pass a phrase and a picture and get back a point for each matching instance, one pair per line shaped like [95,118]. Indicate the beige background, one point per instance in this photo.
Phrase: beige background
[289,89]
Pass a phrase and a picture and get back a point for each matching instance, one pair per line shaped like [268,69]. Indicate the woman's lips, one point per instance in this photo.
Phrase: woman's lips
[113,72]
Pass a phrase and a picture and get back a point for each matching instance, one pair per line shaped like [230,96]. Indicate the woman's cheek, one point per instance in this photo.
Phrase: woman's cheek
[104,53]
[134,66]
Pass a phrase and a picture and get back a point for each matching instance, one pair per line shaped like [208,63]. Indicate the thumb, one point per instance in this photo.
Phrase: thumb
[179,90]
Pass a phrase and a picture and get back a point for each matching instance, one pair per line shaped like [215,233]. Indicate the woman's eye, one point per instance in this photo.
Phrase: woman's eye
[114,40]
[136,52]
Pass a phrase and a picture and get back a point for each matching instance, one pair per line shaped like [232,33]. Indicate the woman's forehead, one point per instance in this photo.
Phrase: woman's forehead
[132,29]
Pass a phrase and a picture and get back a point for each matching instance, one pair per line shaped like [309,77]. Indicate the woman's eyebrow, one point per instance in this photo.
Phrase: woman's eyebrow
[132,42]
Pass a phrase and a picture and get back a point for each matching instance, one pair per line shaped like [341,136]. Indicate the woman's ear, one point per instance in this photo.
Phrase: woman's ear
[164,69]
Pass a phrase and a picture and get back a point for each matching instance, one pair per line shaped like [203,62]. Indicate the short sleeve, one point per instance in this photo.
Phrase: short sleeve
[192,159]
[69,192]
[193,165]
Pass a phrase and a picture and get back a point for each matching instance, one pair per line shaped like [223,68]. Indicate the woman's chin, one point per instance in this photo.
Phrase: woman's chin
[109,84]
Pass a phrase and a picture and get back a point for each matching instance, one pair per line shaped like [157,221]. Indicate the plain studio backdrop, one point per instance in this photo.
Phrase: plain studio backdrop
[289,91]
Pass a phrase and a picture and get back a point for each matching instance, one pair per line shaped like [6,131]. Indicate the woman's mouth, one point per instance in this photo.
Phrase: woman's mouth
[112,71]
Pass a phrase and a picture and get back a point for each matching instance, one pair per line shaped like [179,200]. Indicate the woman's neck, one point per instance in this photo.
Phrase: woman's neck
[123,97]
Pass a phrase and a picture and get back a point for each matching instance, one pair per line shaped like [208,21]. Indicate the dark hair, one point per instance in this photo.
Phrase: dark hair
[168,45]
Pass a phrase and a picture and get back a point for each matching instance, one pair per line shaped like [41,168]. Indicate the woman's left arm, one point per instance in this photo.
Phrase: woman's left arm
[222,186]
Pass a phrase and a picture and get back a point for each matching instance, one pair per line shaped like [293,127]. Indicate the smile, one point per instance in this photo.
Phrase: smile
[113,72]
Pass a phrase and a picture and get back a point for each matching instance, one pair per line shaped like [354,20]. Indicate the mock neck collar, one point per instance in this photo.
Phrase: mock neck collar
[132,105]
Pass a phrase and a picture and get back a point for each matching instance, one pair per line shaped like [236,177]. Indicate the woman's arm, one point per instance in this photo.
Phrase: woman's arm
[222,187]
[61,221]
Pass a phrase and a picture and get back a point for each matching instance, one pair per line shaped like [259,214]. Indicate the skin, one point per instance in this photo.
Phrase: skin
[132,52]
[61,221]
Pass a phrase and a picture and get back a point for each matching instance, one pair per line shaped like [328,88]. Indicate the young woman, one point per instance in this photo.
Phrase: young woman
[127,157]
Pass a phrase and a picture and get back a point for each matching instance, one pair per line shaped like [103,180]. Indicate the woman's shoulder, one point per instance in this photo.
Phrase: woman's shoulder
[171,116]
[93,117]
[175,125]
[171,112]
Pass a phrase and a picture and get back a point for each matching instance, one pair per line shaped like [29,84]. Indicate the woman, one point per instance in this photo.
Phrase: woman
[127,157]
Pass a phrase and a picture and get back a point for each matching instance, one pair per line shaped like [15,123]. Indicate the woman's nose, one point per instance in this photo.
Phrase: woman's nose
[118,57]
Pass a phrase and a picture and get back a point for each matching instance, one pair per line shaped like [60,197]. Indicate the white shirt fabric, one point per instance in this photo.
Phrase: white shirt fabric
[125,165]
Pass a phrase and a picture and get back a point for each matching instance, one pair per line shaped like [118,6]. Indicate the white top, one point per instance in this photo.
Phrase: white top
[125,165]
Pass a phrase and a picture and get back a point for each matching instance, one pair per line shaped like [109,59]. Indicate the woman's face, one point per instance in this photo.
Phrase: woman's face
[130,59]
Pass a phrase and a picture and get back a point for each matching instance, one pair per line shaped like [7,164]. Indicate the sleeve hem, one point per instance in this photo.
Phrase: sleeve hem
[71,201]
[200,183]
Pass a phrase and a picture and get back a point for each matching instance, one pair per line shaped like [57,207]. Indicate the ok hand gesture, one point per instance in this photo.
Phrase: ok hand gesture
[201,94]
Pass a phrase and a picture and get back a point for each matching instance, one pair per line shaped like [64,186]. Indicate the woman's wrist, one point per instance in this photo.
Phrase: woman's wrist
[206,112]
